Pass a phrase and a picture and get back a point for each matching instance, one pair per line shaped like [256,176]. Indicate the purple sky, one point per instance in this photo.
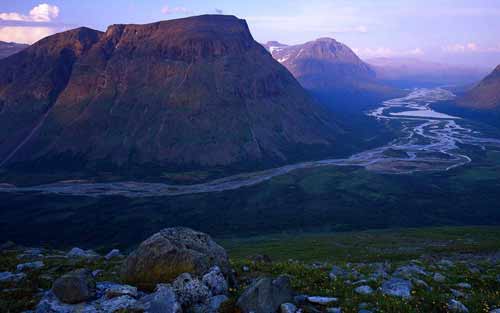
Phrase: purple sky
[451,31]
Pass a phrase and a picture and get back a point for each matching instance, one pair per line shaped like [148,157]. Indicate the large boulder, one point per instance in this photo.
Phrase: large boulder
[266,295]
[171,252]
[75,287]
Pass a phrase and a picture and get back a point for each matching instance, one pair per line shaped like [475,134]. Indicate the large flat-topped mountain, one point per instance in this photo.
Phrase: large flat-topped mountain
[485,95]
[187,93]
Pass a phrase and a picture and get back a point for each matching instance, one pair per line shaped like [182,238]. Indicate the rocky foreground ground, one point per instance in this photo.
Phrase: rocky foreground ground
[181,270]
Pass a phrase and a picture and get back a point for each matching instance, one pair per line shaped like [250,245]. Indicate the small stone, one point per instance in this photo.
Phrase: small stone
[80,253]
[30,266]
[337,272]
[334,310]
[75,287]
[420,283]
[288,308]
[117,290]
[245,268]
[439,278]
[455,306]
[215,281]
[97,273]
[364,290]
[115,253]
[495,311]
[397,287]
[11,277]
[265,295]
[322,300]
[115,304]
[300,299]
[163,300]
[214,303]
[457,293]
[409,271]
[365,311]
[190,290]
[464,285]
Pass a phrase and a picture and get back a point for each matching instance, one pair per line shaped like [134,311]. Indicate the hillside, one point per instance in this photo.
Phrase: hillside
[197,92]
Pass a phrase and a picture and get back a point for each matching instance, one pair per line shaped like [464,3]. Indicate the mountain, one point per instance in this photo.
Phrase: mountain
[414,72]
[485,95]
[197,92]
[9,48]
[331,69]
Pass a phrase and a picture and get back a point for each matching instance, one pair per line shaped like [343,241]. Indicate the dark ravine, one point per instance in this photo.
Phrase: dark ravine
[190,93]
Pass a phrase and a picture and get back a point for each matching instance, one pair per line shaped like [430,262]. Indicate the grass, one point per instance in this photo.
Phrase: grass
[293,254]
[372,245]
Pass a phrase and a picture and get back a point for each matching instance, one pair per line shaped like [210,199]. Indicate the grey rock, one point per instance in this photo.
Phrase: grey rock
[50,304]
[456,306]
[75,287]
[171,252]
[300,299]
[80,253]
[364,290]
[409,271]
[115,253]
[214,303]
[288,308]
[113,290]
[445,263]
[397,287]
[365,311]
[265,295]
[29,266]
[334,310]
[97,273]
[163,300]
[322,300]
[457,293]
[189,290]
[495,311]
[439,278]
[117,303]
[245,268]
[11,277]
[464,285]
[215,281]
[420,283]
[337,272]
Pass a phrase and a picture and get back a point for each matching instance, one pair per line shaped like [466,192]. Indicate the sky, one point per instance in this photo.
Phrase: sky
[448,31]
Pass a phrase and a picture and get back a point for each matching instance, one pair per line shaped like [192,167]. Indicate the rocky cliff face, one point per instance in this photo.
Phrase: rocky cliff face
[194,92]
[327,66]
[485,95]
[10,48]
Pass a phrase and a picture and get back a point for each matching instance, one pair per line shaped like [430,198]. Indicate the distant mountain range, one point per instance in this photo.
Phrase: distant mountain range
[485,95]
[331,70]
[197,92]
[10,48]
[413,72]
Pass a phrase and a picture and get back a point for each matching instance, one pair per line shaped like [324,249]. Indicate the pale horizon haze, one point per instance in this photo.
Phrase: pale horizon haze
[453,32]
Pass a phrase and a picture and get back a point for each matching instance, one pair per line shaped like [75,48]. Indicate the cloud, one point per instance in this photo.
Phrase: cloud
[41,13]
[219,11]
[25,34]
[469,47]
[175,10]
[386,52]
